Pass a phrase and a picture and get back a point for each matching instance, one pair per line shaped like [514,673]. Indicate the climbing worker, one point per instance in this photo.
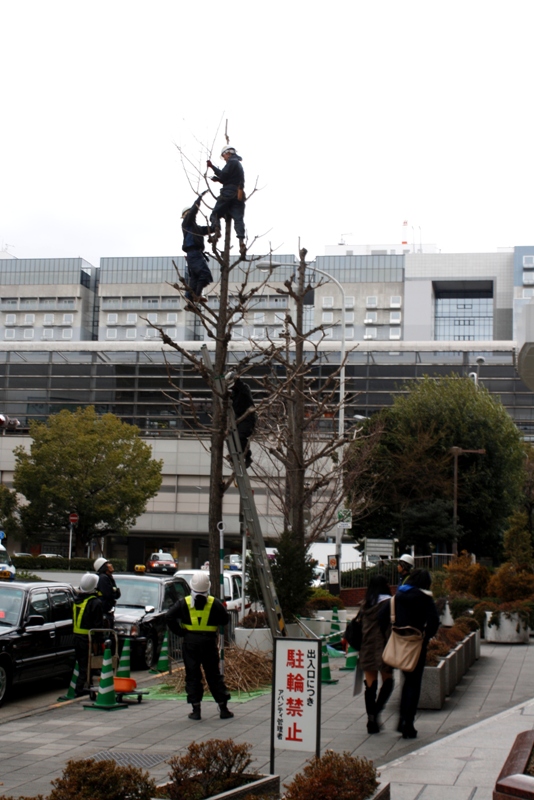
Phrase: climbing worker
[231,200]
[197,618]
[87,613]
[193,245]
[241,402]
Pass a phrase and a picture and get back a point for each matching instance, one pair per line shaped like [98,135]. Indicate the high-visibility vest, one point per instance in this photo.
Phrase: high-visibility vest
[199,619]
[78,610]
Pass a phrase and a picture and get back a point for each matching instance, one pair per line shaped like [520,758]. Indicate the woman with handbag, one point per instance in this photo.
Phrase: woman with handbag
[414,611]
[373,642]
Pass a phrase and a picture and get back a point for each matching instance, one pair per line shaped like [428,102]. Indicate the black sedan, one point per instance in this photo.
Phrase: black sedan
[36,640]
[140,612]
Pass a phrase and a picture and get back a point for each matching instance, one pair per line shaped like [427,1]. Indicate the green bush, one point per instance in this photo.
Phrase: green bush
[88,779]
[511,584]
[334,776]
[208,768]
[459,605]
[322,599]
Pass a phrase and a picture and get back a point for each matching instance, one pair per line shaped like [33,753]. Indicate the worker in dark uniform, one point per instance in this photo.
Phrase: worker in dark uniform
[231,200]
[107,589]
[197,618]
[193,246]
[404,567]
[241,401]
[87,614]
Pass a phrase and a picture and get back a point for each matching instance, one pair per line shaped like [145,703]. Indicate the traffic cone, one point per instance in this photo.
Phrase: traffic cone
[335,627]
[326,677]
[71,691]
[163,660]
[106,699]
[351,660]
[123,670]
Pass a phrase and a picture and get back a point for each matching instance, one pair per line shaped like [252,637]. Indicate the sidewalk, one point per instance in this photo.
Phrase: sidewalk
[458,753]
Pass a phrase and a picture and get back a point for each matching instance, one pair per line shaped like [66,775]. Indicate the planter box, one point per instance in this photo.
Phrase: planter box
[510,631]
[472,644]
[265,784]
[433,687]
[254,639]
[382,793]
[461,661]
[478,636]
[321,627]
[512,781]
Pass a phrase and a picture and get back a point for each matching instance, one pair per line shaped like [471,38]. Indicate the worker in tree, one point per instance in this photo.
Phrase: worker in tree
[87,614]
[231,200]
[193,246]
[197,618]
[241,402]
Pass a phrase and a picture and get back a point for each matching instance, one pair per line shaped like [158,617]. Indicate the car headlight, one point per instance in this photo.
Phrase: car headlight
[127,628]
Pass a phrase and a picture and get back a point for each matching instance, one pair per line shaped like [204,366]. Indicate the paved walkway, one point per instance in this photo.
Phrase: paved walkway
[457,755]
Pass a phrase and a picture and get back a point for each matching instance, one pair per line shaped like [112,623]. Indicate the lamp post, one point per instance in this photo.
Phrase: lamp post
[458,451]
[267,266]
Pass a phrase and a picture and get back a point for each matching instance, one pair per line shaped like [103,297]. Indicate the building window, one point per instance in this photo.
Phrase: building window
[47,302]
[172,317]
[111,333]
[349,317]
[28,333]
[131,333]
[349,332]
[328,317]
[66,333]
[130,302]
[371,302]
[113,319]
[9,302]
[29,319]
[48,319]
[131,319]
[394,317]
[237,333]
[370,333]
[528,277]
[259,318]
[528,292]
[9,333]
[349,302]
[328,333]
[328,302]
[111,302]
[370,317]
[152,317]
[279,317]
[395,301]
[528,261]
[151,302]
[68,319]
[258,333]
[28,302]
[151,333]
[11,319]
[394,333]
[48,333]
[463,318]
[171,333]
[66,302]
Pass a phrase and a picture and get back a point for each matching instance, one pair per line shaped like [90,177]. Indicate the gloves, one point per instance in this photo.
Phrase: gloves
[208,162]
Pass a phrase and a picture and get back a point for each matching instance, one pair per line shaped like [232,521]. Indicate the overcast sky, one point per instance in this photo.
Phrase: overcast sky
[351,115]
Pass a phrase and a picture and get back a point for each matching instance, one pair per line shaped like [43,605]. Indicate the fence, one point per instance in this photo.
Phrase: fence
[353,577]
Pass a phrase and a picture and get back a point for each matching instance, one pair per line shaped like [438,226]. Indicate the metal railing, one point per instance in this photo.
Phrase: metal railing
[355,577]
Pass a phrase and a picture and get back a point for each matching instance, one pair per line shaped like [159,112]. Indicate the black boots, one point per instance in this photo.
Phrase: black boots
[370,707]
[224,712]
[384,694]
[195,714]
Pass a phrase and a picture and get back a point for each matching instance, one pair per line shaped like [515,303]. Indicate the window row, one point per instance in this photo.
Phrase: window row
[29,319]
[132,333]
[276,333]
[29,333]
[36,303]
[140,302]
[395,301]
[131,319]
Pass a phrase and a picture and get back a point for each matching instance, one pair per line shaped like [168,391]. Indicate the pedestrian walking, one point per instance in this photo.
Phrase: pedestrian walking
[197,618]
[87,613]
[372,647]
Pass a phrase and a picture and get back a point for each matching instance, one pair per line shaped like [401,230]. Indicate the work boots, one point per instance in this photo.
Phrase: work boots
[224,712]
[370,707]
[195,714]
[242,247]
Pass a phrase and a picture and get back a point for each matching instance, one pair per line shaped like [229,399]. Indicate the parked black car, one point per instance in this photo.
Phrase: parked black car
[140,612]
[36,640]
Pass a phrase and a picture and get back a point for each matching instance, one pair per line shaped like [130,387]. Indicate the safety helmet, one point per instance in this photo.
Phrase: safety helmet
[88,582]
[185,210]
[200,583]
[408,559]
[99,563]
[228,149]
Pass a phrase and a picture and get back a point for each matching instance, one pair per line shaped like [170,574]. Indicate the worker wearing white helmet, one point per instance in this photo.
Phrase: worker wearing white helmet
[107,589]
[197,618]
[87,614]
[404,567]
[231,200]
[199,273]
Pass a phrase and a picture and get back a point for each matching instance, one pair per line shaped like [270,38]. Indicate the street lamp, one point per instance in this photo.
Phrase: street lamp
[267,266]
[458,451]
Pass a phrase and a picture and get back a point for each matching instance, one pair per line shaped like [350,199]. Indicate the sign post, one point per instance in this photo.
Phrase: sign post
[73,520]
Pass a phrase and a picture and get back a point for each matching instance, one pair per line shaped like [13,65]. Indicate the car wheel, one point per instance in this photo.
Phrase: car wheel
[151,650]
[5,681]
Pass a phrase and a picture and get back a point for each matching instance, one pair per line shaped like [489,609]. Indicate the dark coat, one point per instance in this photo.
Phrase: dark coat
[373,640]
[179,612]
[108,591]
[193,233]
[93,615]
[415,608]
[232,176]
[241,401]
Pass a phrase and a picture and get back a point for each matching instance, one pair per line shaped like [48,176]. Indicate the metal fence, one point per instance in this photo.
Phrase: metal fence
[355,576]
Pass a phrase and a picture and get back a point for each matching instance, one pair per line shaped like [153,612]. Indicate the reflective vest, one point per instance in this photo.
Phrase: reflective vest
[199,619]
[78,610]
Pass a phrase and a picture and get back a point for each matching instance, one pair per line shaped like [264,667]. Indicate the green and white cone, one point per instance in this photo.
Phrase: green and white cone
[71,691]
[351,660]
[106,699]
[124,663]
[163,660]
[326,676]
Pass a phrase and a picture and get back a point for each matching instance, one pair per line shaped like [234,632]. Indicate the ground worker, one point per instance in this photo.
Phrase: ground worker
[107,589]
[231,200]
[193,245]
[197,618]
[404,567]
[87,613]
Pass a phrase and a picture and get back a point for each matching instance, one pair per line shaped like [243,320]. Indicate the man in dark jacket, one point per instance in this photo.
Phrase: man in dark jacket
[86,614]
[193,245]
[241,402]
[197,618]
[231,200]
[107,589]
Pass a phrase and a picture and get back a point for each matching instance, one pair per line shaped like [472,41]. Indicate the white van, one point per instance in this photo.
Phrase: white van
[7,570]
[233,588]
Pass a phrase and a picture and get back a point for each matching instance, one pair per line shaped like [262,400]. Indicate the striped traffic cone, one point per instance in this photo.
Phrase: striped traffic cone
[163,660]
[123,670]
[105,699]
[326,676]
[335,627]
[71,691]
[351,660]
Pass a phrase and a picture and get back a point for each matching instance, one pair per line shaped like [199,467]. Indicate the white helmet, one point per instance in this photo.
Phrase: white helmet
[228,149]
[200,583]
[99,563]
[88,582]
[408,559]
[185,210]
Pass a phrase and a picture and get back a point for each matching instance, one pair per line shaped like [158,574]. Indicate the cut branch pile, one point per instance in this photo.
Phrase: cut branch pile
[244,671]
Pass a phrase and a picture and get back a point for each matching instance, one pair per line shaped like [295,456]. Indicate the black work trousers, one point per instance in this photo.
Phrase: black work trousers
[412,689]
[81,649]
[200,650]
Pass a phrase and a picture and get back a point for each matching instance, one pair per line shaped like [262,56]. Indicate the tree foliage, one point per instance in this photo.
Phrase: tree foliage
[95,465]
[9,512]
[412,468]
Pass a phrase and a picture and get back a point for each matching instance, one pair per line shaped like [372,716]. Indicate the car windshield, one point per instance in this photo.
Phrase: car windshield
[10,605]
[137,592]
[161,557]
